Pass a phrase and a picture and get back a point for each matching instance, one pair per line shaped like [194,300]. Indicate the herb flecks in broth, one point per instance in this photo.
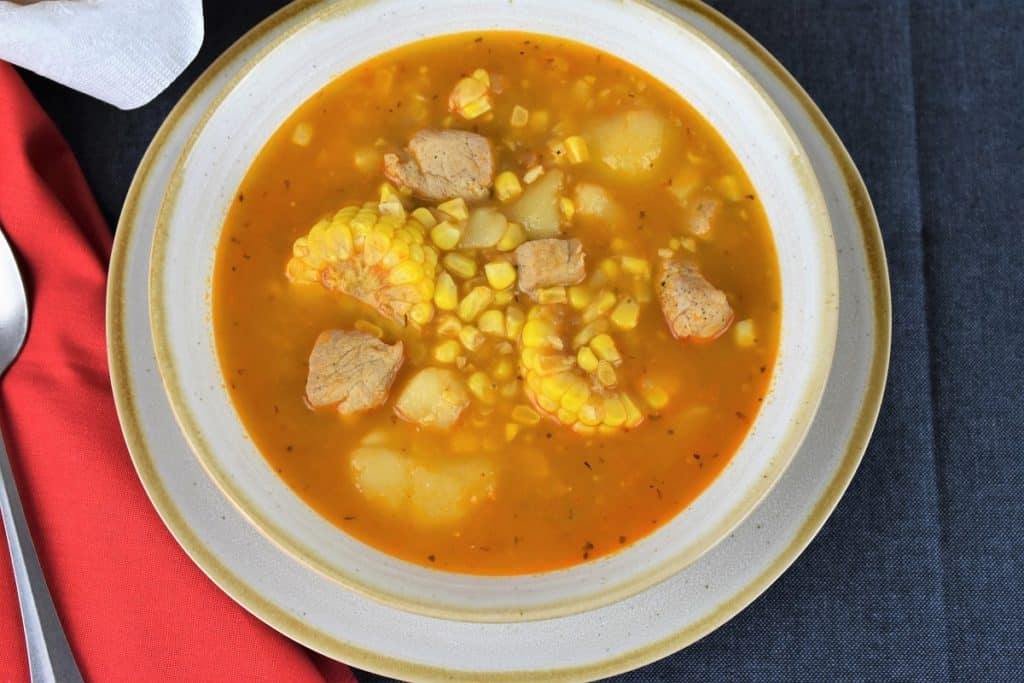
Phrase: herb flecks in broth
[535,314]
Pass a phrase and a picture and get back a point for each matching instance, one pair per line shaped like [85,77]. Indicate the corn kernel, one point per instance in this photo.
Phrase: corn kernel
[448,326]
[500,274]
[471,337]
[422,312]
[504,297]
[546,403]
[567,209]
[525,415]
[405,273]
[553,387]
[481,386]
[456,208]
[507,186]
[626,314]
[513,237]
[492,323]
[511,430]
[729,187]
[633,414]
[390,203]
[636,266]
[604,347]
[520,117]
[589,331]
[576,395]
[504,369]
[302,135]
[369,328]
[447,351]
[606,374]
[565,416]
[614,411]
[533,173]
[367,159]
[474,303]
[609,267]
[514,321]
[504,347]
[538,334]
[642,291]
[745,333]
[552,364]
[552,295]
[586,359]
[689,244]
[424,217]
[482,76]
[530,358]
[446,294]
[590,414]
[579,297]
[460,265]
[576,147]
[655,396]
[540,120]
[470,98]
[445,235]
[604,302]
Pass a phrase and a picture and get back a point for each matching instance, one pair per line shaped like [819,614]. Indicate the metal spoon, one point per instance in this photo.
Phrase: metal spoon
[49,655]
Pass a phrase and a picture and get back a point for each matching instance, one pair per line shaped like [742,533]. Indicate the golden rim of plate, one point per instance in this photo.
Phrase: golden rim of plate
[289,624]
[785,451]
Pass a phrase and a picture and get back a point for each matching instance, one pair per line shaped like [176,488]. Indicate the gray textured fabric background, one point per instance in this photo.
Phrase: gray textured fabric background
[918,575]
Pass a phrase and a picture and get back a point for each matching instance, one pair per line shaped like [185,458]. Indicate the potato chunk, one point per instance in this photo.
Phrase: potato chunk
[537,209]
[593,201]
[382,475]
[484,228]
[629,143]
[434,397]
[416,485]
[441,495]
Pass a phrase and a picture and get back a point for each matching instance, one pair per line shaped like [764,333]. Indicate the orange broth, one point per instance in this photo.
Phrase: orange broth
[560,497]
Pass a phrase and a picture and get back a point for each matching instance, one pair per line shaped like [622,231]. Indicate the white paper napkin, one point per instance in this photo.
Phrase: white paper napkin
[124,52]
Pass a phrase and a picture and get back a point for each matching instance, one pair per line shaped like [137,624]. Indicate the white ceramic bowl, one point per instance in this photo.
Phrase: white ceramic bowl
[345,34]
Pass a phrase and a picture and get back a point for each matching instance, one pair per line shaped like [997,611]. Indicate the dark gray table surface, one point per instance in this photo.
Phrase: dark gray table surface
[918,575]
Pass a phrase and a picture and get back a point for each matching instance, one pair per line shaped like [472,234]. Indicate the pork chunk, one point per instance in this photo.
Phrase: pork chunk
[548,263]
[444,164]
[693,308]
[352,369]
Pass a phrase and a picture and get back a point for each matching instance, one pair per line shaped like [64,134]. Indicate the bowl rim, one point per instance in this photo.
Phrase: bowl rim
[810,394]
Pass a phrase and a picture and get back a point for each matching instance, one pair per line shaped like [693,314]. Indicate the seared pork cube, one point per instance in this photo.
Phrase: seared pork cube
[444,164]
[354,370]
[549,263]
[693,307]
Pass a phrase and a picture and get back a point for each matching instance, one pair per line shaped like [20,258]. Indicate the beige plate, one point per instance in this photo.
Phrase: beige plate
[666,617]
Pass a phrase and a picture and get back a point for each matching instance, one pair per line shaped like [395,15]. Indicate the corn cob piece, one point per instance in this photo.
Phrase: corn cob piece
[579,389]
[383,260]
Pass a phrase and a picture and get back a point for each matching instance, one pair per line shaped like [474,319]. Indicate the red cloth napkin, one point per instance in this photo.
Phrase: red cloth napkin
[134,606]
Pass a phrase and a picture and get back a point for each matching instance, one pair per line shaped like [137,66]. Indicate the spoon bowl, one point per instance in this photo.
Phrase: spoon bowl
[13,307]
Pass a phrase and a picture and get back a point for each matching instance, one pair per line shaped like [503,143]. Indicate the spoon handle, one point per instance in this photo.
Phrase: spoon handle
[49,655]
